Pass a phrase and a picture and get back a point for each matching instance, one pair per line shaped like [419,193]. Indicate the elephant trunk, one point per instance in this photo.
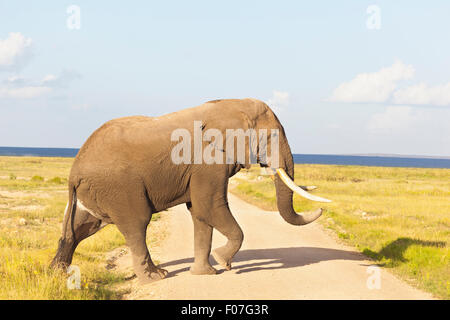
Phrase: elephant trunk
[285,194]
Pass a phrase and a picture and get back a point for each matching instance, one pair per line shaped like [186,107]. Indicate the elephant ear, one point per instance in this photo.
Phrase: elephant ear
[232,121]
[241,140]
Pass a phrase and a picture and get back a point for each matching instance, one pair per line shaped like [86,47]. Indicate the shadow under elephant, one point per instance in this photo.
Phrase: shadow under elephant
[274,258]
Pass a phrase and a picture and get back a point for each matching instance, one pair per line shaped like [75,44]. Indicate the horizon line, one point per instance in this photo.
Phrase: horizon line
[375,154]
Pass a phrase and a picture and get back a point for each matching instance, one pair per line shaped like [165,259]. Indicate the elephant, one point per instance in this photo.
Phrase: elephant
[123,174]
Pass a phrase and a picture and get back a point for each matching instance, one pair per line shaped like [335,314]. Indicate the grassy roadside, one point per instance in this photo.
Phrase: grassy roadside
[400,217]
[33,196]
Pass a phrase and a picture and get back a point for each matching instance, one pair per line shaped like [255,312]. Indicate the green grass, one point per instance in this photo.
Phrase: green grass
[27,249]
[400,217]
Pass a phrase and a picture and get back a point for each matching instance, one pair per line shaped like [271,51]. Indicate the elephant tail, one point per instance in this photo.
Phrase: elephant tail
[70,212]
[67,242]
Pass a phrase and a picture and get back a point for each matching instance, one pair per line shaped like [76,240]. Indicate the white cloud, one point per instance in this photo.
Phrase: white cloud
[373,87]
[24,92]
[409,130]
[14,51]
[49,78]
[279,100]
[61,80]
[15,80]
[395,119]
[424,95]
[17,87]
[382,87]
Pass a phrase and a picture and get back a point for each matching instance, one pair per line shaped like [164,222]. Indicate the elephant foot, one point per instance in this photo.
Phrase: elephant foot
[198,269]
[220,260]
[61,265]
[63,257]
[152,274]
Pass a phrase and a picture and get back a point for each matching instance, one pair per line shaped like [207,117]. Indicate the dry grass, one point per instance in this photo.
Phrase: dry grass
[26,249]
[398,216]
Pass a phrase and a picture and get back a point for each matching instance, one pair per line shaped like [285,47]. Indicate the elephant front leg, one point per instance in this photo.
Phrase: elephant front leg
[227,225]
[222,220]
[209,204]
[202,248]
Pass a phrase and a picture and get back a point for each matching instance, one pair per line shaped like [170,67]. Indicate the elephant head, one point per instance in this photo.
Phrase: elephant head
[285,187]
[258,116]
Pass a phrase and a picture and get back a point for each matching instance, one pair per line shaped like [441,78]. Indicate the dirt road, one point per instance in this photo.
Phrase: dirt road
[276,261]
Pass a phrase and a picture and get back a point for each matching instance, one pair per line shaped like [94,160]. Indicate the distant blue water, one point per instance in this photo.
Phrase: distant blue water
[298,158]
[372,161]
[38,152]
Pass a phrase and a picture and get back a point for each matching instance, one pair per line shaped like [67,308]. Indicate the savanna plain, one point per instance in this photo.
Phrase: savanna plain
[398,217]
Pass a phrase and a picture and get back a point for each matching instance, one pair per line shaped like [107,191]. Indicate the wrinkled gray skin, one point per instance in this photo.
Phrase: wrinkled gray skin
[124,173]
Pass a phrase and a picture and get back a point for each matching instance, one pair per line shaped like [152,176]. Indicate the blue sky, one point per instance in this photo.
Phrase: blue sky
[337,84]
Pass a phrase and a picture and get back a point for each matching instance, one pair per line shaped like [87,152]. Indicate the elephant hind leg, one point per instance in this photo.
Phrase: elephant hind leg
[83,226]
[144,268]
[131,214]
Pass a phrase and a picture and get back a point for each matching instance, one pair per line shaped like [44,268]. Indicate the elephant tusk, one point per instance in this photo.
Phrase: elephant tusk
[291,185]
[272,173]
[308,188]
